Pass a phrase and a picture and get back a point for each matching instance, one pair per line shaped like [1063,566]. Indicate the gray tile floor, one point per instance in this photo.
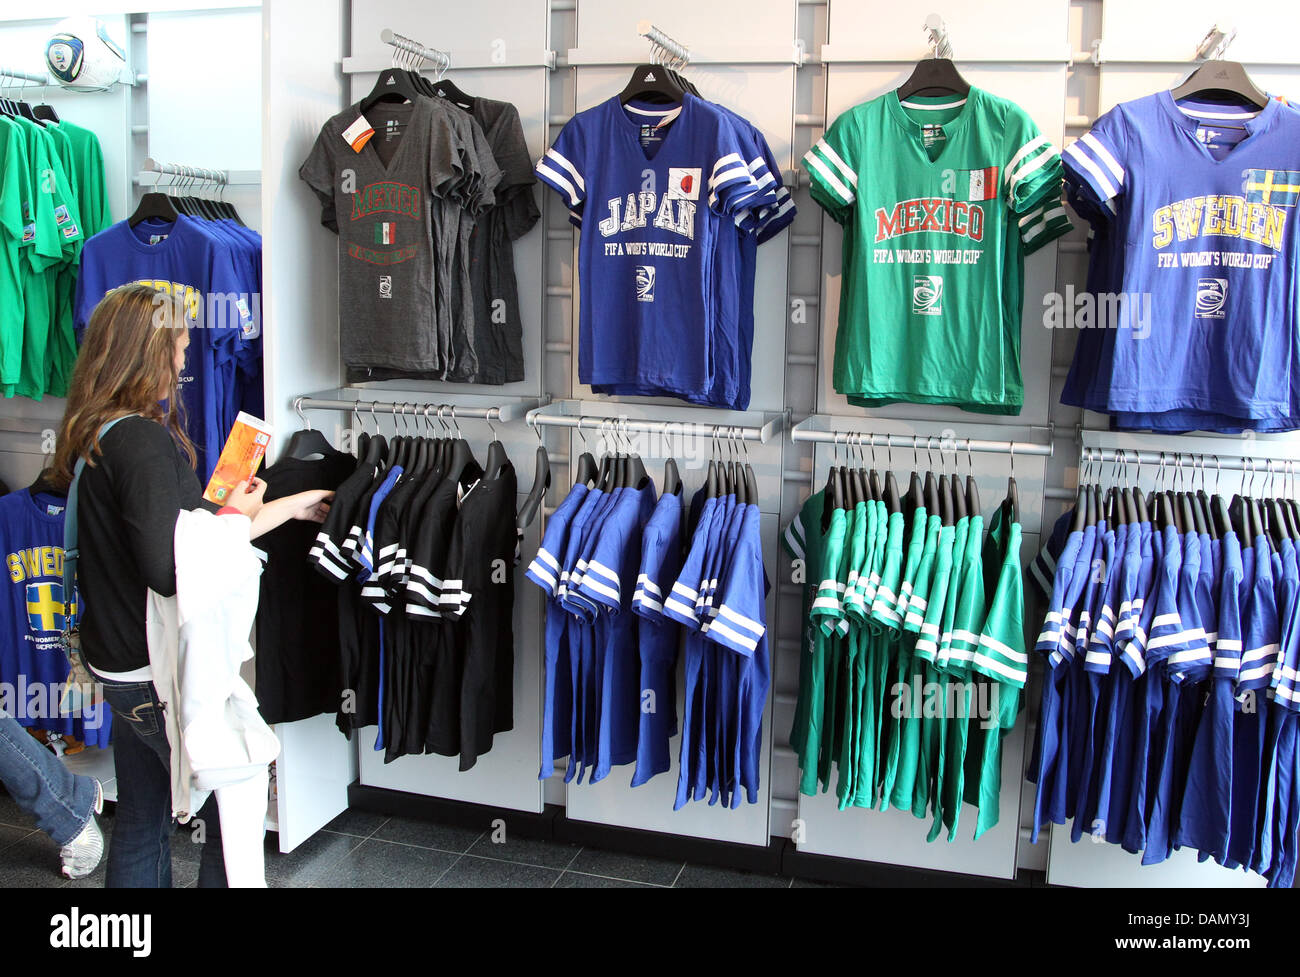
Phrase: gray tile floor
[360,850]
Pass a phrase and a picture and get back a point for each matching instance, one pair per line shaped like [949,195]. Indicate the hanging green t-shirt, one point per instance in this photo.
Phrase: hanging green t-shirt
[940,198]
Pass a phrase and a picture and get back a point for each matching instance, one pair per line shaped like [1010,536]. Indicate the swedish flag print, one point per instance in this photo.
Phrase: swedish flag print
[45,611]
[1281,188]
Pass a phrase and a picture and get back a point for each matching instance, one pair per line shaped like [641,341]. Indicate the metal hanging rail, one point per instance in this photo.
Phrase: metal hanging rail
[23,76]
[1207,461]
[807,431]
[505,413]
[685,427]
[197,174]
[418,57]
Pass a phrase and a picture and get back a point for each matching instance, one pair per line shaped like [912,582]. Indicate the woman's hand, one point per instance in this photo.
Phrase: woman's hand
[248,497]
[311,506]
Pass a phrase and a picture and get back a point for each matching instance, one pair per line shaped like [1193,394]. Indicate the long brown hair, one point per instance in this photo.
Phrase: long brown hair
[126,366]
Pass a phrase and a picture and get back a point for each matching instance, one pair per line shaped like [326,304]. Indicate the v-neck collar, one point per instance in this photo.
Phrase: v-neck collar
[417,108]
[914,130]
[633,128]
[1190,125]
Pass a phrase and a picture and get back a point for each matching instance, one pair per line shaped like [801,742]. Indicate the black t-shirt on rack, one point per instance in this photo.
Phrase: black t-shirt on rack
[358,670]
[127,506]
[298,655]
[481,561]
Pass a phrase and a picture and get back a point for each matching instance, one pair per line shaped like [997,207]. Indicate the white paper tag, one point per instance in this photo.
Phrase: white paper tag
[358,134]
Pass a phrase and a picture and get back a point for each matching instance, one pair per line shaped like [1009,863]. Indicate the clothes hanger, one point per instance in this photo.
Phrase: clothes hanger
[713,479]
[934,75]
[423,461]
[44,485]
[497,458]
[672,484]
[1204,503]
[393,84]
[445,88]
[1290,507]
[1222,81]
[637,474]
[954,485]
[604,480]
[541,482]
[154,205]
[1277,516]
[307,442]
[931,484]
[834,485]
[1080,500]
[743,494]
[44,112]
[972,489]
[915,493]
[750,479]
[1185,504]
[588,472]
[654,82]
[854,482]
[1012,500]
[893,503]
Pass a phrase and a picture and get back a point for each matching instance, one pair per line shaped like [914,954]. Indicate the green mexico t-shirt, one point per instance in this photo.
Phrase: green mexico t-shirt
[941,197]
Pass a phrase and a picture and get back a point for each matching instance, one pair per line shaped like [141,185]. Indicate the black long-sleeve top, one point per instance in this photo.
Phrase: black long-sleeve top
[127,508]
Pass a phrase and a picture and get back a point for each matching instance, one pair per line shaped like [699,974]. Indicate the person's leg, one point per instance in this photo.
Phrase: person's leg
[139,855]
[61,802]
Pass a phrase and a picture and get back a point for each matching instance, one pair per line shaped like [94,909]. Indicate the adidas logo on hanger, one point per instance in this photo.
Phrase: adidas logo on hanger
[650,76]
[391,81]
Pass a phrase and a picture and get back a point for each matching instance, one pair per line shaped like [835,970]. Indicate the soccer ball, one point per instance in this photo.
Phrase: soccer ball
[82,57]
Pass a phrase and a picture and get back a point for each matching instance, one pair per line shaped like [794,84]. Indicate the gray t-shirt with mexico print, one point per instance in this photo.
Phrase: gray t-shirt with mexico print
[381,201]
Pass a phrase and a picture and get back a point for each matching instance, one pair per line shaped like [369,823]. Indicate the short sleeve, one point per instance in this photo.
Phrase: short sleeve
[660,557]
[741,621]
[600,579]
[485,165]
[1227,650]
[563,168]
[1260,635]
[515,197]
[452,172]
[319,172]
[1045,222]
[794,539]
[228,301]
[832,165]
[1032,170]
[1000,653]
[1095,164]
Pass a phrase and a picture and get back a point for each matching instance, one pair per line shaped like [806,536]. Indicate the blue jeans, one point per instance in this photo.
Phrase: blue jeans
[60,800]
[139,854]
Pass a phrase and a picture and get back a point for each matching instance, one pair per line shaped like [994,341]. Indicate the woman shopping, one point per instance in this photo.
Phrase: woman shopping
[125,420]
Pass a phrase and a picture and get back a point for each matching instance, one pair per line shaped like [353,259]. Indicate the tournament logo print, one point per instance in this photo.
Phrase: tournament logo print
[1211,296]
[684,182]
[1280,188]
[645,283]
[927,295]
[385,286]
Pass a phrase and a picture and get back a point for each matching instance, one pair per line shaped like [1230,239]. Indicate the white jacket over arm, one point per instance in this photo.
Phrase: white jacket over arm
[197,642]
